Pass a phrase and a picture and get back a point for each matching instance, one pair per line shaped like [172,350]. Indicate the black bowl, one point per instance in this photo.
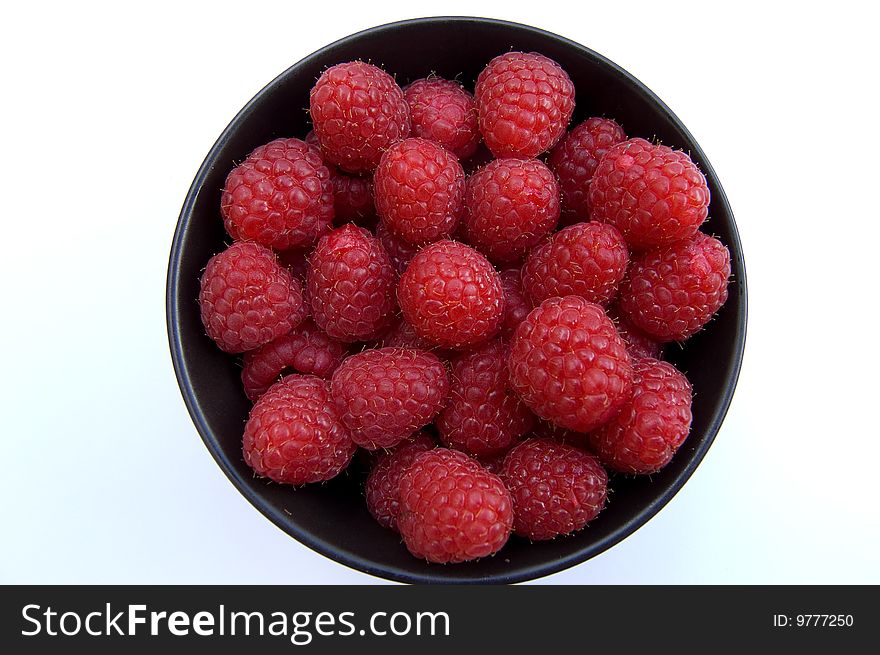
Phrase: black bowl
[332,518]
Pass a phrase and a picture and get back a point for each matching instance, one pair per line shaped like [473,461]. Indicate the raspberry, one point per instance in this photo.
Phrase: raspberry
[569,365]
[452,509]
[556,489]
[352,198]
[281,196]
[653,194]
[671,293]
[357,111]
[524,104]
[419,190]
[644,436]
[384,479]
[585,259]
[452,295]
[574,161]
[400,252]
[444,112]
[351,284]
[510,205]
[483,416]
[387,394]
[294,434]
[516,307]
[493,464]
[305,350]
[247,298]
[638,344]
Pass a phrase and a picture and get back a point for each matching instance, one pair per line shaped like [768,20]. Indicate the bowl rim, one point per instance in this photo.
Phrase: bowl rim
[364,565]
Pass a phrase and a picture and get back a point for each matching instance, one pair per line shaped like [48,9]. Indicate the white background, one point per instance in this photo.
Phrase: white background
[110,109]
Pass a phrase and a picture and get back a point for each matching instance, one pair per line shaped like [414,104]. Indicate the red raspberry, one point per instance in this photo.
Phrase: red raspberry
[452,295]
[671,293]
[556,489]
[644,436]
[305,350]
[419,190]
[524,104]
[516,307]
[387,394]
[575,159]
[294,435]
[247,298]
[483,416]
[586,259]
[280,196]
[493,464]
[400,252]
[384,480]
[444,112]
[352,198]
[452,509]
[510,205]
[653,194]
[357,111]
[351,284]
[638,344]
[569,365]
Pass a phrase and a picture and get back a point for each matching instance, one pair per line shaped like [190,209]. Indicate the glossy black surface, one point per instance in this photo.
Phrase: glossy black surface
[332,518]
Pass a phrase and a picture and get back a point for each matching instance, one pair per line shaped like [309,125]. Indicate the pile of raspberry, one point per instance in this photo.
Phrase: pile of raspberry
[469,291]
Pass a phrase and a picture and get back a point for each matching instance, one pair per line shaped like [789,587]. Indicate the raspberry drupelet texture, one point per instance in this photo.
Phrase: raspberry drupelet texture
[281,196]
[585,259]
[452,295]
[383,482]
[385,395]
[358,111]
[653,194]
[574,161]
[443,111]
[671,293]
[247,298]
[452,509]
[400,251]
[556,489]
[305,349]
[652,425]
[524,103]
[483,417]
[569,365]
[516,306]
[419,191]
[294,434]
[638,344]
[510,205]
[351,284]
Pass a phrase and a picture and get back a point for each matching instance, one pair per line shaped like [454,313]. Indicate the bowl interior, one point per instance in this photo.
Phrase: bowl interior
[332,518]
